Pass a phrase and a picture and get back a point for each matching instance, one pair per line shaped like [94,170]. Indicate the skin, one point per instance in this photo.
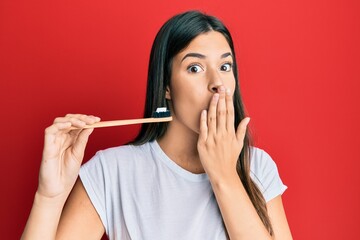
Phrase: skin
[201,138]
[62,157]
[206,139]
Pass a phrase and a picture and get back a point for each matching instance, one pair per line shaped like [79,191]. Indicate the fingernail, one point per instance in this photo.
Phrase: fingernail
[222,88]
[95,118]
[216,96]
[228,91]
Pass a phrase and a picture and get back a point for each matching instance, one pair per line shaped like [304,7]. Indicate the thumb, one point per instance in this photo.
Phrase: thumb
[241,129]
[80,143]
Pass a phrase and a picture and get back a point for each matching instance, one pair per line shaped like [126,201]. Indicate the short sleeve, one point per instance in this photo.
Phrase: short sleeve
[94,178]
[264,172]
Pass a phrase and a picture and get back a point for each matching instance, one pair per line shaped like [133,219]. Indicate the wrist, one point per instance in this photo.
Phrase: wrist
[227,181]
[53,202]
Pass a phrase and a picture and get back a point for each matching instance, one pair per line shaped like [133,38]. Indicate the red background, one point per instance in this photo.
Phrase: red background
[299,69]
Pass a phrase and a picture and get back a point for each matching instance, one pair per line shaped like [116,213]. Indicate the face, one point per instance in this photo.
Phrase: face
[197,73]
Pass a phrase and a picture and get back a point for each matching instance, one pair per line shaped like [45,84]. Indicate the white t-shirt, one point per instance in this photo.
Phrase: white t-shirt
[139,193]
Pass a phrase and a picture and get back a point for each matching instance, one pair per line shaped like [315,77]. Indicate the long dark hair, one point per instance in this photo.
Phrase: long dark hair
[174,36]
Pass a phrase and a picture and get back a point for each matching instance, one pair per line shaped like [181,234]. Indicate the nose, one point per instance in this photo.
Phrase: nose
[215,81]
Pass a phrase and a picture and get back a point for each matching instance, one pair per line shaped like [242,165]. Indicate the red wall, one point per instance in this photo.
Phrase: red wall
[299,68]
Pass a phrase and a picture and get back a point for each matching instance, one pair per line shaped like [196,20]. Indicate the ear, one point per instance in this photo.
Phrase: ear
[167,93]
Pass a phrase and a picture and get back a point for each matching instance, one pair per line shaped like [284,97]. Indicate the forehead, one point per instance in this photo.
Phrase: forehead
[209,43]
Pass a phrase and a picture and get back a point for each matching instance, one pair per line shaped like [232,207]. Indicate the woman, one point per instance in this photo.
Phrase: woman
[196,177]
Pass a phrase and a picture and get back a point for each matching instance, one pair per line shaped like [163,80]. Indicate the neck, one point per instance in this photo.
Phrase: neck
[180,145]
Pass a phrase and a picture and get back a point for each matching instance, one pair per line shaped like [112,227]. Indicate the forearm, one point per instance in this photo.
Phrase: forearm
[240,216]
[44,218]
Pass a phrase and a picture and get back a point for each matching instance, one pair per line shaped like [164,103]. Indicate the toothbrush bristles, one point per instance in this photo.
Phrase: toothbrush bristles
[161,113]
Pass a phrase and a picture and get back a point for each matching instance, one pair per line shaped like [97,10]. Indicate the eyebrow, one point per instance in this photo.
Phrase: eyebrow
[199,55]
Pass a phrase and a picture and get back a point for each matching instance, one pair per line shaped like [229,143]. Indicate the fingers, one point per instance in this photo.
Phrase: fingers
[241,130]
[211,115]
[64,124]
[203,127]
[50,132]
[229,111]
[78,120]
[80,143]
[221,111]
[57,127]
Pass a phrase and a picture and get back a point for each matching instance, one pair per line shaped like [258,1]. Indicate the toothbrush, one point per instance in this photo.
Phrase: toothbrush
[160,115]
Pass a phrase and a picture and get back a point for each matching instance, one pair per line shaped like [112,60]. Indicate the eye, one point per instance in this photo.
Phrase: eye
[195,68]
[226,67]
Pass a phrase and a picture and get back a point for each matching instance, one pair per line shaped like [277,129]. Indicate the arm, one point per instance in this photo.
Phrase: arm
[219,146]
[62,156]
[240,216]
[79,219]
[44,217]
[278,219]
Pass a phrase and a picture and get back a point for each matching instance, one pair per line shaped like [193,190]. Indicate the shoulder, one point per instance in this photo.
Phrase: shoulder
[264,172]
[108,173]
[260,161]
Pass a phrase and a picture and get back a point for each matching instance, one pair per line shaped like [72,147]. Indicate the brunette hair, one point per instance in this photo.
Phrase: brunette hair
[174,36]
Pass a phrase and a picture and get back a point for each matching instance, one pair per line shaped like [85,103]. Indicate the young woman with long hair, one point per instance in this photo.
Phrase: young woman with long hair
[196,177]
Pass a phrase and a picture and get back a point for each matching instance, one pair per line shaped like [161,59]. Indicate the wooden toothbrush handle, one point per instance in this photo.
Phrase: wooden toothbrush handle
[124,122]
